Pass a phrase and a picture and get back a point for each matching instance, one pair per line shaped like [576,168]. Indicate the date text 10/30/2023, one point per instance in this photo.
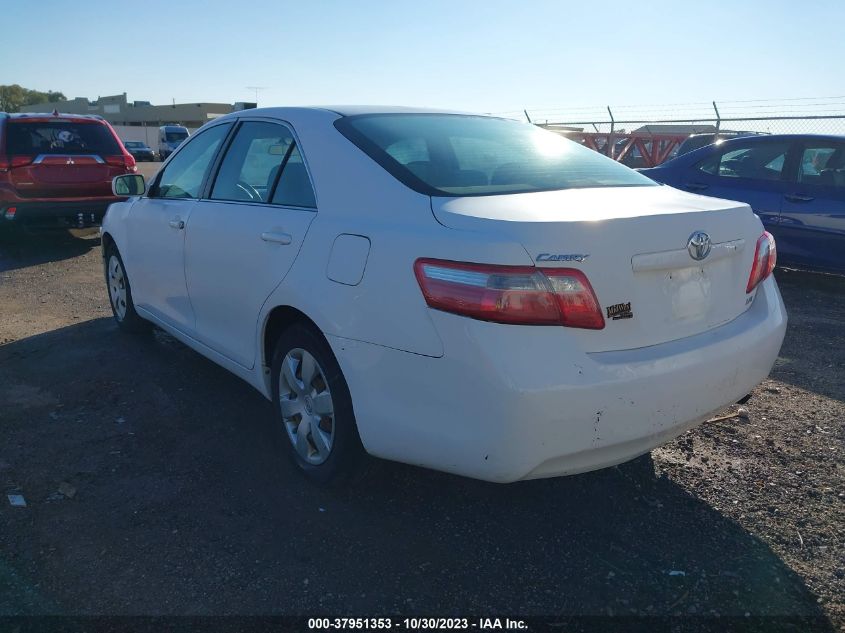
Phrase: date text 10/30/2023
[417,624]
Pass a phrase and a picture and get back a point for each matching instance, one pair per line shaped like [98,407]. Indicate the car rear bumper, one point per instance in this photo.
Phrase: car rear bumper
[64,213]
[502,408]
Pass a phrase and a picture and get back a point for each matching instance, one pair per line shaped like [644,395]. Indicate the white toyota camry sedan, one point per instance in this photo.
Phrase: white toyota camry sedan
[466,293]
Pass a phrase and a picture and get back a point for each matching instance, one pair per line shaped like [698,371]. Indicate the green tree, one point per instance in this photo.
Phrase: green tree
[14,96]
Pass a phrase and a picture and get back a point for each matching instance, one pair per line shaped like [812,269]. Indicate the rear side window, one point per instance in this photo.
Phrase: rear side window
[464,155]
[59,137]
[294,187]
[252,162]
[763,161]
[823,164]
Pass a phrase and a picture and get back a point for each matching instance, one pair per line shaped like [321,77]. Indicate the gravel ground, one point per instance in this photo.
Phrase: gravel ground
[152,487]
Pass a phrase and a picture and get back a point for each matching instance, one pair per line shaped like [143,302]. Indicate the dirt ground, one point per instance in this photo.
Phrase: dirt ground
[152,487]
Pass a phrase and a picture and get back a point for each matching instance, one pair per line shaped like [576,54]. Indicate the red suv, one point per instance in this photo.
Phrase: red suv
[56,169]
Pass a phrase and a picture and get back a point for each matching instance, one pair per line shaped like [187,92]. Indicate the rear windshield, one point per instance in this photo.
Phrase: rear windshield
[59,137]
[134,144]
[461,155]
[173,137]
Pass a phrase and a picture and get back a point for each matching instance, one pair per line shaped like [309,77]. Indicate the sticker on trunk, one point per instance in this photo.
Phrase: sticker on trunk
[620,311]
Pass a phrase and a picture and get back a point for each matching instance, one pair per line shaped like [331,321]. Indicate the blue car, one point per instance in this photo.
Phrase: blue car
[795,183]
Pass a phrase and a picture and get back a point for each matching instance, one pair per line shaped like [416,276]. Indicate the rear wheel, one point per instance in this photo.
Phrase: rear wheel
[314,418]
[120,294]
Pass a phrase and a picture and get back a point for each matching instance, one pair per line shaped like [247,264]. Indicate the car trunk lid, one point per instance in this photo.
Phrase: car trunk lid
[63,176]
[632,244]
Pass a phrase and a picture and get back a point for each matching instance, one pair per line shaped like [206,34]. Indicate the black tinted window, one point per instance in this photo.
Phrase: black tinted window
[252,162]
[459,155]
[184,174]
[60,137]
[762,161]
[823,164]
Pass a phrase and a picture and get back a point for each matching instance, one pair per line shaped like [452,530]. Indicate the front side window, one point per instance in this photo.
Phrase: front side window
[465,155]
[185,173]
[252,162]
[823,164]
[763,161]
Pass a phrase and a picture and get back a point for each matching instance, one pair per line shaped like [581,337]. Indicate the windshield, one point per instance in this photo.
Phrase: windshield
[464,155]
[60,137]
[134,144]
[175,137]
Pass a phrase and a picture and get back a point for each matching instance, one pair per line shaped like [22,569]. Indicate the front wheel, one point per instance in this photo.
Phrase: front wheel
[120,294]
[313,409]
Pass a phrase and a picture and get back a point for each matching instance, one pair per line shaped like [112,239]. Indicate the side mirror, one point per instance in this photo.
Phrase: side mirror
[128,185]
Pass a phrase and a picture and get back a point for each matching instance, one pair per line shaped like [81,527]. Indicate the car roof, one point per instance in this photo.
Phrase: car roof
[332,112]
[765,138]
[49,116]
[355,110]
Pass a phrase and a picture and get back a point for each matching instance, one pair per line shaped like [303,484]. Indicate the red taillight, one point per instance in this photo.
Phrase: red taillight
[765,258]
[521,295]
[8,162]
[21,161]
[122,160]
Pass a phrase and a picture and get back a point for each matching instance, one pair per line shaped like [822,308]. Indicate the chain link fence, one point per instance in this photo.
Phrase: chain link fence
[643,136]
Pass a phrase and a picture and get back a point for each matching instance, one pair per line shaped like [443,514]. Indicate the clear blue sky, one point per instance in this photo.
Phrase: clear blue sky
[487,56]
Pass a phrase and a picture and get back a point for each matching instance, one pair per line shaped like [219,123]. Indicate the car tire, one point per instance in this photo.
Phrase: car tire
[120,294]
[328,448]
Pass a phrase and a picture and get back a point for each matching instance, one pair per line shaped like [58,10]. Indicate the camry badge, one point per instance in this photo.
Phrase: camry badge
[564,257]
[699,245]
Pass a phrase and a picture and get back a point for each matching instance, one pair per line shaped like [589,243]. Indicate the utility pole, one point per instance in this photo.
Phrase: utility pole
[256,89]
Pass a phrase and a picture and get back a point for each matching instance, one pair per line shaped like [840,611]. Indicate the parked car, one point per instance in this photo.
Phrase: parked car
[56,170]
[795,183]
[465,293]
[169,138]
[697,141]
[140,151]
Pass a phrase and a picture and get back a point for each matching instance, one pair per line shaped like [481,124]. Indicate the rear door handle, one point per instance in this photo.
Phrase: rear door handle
[278,238]
[798,197]
[695,186]
[177,224]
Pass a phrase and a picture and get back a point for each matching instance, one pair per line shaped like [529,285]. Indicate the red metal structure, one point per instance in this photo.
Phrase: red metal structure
[635,149]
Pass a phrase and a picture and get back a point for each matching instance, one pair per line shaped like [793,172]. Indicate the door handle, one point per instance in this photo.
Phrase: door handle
[695,186]
[177,224]
[278,238]
[798,197]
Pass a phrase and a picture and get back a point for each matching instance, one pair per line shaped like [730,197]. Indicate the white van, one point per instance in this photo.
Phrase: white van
[169,138]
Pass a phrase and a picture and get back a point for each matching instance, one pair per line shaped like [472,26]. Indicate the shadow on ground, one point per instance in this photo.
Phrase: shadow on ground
[816,312]
[20,250]
[183,505]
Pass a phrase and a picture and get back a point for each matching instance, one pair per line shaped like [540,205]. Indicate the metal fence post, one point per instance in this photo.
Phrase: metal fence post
[611,150]
[718,121]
